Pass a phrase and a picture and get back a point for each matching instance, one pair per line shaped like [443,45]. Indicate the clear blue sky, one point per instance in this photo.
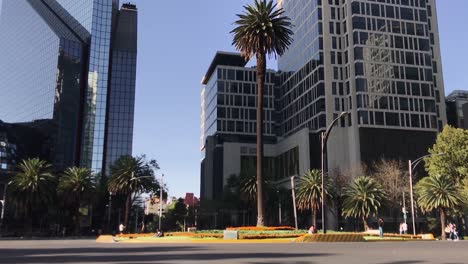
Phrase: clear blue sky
[178,39]
[176,44]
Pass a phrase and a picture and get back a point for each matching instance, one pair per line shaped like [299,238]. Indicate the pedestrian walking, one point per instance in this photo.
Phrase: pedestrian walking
[447,231]
[454,232]
[401,228]
[381,224]
[451,231]
[121,228]
[312,230]
[405,228]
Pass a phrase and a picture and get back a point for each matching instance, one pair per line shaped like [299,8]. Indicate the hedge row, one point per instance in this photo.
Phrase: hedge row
[331,238]
[195,235]
[397,235]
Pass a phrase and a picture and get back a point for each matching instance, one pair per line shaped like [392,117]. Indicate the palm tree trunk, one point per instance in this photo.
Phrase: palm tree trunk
[77,221]
[314,217]
[442,223]
[261,68]
[127,209]
[366,226]
[77,217]
[28,220]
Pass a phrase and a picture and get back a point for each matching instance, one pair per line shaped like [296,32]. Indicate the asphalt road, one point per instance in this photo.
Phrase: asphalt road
[87,251]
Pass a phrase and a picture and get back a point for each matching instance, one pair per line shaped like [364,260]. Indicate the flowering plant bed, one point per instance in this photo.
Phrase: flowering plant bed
[247,234]
[267,236]
[134,235]
[259,228]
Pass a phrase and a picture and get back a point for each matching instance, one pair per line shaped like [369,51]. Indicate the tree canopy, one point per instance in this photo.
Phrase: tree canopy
[363,198]
[453,144]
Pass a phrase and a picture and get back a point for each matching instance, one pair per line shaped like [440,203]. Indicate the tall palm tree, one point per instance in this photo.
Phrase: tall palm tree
[32,187]
[309,192]
[363,198]
[438,192]
[261,29]
[75,185]
[131,176]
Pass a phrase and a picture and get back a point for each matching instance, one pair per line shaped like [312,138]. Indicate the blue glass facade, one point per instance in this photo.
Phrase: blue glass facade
[64,78]
[92,154]
[119,136]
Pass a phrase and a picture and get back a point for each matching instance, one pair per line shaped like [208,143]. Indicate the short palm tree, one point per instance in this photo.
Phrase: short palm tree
[74,186]
[438,192]
[309,192]
[131,176]
[261,29]
[248,187]
[33,187]
[363,198]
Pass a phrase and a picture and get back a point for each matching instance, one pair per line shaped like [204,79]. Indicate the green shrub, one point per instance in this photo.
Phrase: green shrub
[350,237]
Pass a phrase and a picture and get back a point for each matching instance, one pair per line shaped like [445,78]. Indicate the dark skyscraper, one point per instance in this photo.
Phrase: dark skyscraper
[68,71]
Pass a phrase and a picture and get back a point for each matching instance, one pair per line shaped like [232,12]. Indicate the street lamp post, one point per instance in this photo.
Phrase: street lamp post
[279,207]
[324,138]
[411,166]
[293,193]
[109,213]
[160,201]
[3,202]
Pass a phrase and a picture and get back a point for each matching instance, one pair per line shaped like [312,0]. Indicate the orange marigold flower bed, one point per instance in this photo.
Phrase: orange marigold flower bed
[265,236]
[135,235]
[260,228]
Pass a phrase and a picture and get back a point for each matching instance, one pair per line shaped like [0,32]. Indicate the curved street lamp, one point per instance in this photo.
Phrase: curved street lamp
[3,202]
[324,137]
[412,165]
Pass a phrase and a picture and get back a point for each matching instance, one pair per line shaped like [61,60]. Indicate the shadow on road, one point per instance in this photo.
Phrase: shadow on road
[405,262]
[134,255]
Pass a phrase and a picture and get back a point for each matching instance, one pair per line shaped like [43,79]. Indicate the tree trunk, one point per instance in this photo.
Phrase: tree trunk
[442,223]
[28,223]
[77,217]
[127,209]
[314,217]
[364,221]
[77,221]
[261,68]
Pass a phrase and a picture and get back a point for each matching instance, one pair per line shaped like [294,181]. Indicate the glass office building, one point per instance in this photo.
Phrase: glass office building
[378,60]
[58,66]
